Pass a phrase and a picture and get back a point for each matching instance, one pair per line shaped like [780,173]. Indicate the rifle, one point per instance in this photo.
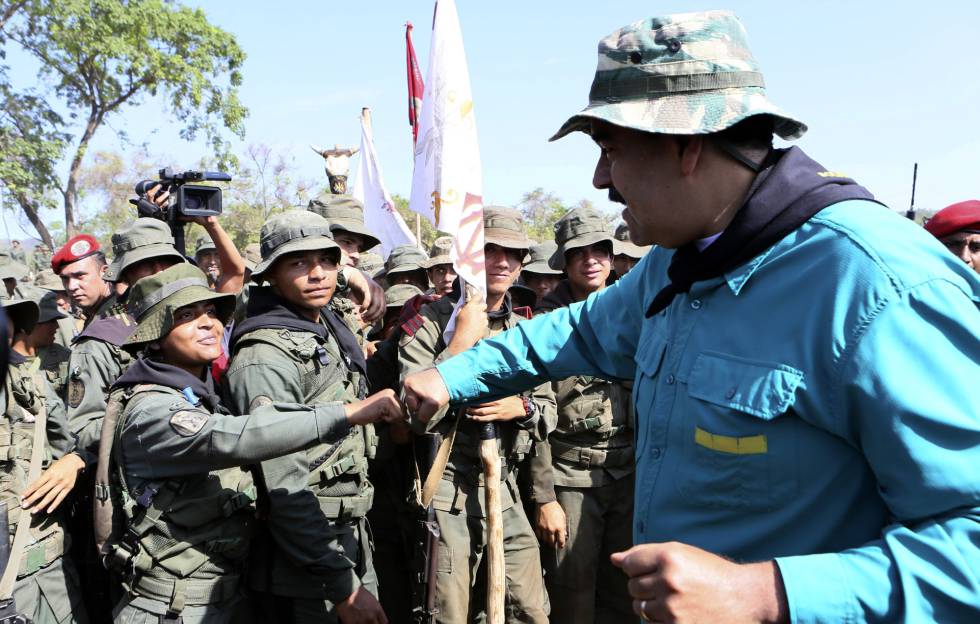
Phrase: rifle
[427,550]
[8,608]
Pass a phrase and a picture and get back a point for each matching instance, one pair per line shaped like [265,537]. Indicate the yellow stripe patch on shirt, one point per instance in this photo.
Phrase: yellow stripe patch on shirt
[750,445]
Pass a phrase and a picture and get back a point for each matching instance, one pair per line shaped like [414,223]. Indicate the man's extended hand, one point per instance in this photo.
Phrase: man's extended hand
[367,293]
[552,524]
[675,582]
[361,607]
[54,484]
[502,410]
[382,405]
[425,393]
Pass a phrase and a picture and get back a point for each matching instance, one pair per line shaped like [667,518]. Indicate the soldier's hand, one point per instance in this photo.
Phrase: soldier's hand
[424,393]
[367,293]
[675,582]
[502,410]
[382,405]
[361,608]
[471,325]
[54,484]
[552,525]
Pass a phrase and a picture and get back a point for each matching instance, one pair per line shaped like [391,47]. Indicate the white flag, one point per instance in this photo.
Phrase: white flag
[447,186]
[380,216]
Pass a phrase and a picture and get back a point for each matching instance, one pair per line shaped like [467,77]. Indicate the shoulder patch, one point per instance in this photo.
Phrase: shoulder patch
[258,402]
[76,390]
[413,324]
[188,422]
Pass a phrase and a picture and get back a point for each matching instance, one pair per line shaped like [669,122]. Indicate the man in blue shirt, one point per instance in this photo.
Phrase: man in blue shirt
[804,359]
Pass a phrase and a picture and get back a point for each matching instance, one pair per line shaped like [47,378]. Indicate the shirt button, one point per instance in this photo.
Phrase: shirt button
[730,394]
[655,453]
[670,380]
[641,526]
[696,304]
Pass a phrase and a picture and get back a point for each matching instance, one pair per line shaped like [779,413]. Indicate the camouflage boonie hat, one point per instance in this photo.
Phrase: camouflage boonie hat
[623,246]
[204,243]
[154,299]
[47,280]
[578,228]
[146,238]
[690,73]
[344,214]
[293,230]
[439,252]
[397,295]
[252,256]
[505,227]
[23,312]
[370,263]
[537,260]
[404,258]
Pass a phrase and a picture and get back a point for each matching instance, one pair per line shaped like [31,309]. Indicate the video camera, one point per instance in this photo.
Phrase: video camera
[186,200]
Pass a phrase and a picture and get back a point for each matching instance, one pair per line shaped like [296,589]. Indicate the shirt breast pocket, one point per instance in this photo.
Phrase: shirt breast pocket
[649,359]
[737,438]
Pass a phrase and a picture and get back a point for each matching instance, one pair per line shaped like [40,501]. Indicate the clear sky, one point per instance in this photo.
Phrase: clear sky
[881,84]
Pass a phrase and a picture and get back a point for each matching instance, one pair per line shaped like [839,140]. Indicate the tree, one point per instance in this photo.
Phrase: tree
[99,56]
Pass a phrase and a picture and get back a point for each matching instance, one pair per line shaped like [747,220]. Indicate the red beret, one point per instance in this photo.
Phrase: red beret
[956,218]
[77,247]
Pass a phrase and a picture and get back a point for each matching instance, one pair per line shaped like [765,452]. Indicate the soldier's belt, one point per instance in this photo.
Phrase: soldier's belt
[180,593]
[590,457]
[42,554]
[345,507]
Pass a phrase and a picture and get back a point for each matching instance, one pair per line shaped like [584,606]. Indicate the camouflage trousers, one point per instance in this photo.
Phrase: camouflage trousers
[461,579]
[582,584]
[51,595]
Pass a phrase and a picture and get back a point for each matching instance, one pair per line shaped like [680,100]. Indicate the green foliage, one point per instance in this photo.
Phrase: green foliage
[542,209]
[428,232]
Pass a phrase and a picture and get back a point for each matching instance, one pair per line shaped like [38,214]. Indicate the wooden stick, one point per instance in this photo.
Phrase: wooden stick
[496,574]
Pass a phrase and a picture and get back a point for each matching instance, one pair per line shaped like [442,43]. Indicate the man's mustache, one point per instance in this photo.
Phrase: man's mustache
[614,196]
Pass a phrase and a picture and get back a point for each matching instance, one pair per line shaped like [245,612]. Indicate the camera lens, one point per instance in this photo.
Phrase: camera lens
[192,203]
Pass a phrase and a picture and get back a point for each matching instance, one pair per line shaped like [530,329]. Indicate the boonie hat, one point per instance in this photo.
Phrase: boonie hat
[537,259]
[204,243]
[252,256]
[153,300]
[47,304]
[23,312]
[439,252]
[505,227]
[623,246]
[146,238]
[397,295]
[690,73]
[962,216]
[344,214]
[370,263]
[578,228]
[404,258]
[48,280]
[293,230]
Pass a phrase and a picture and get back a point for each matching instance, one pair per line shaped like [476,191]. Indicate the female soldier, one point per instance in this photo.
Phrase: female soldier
[184,508]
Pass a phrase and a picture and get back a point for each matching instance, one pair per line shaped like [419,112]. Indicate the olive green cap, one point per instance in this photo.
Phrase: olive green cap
[505,227]
[153,301]
[344,214]
[293,230]
[623,246]
[252,256]
[370,263]
[146,238]
[439,252]
[204,243]
[47,280]
[397,295]
[578,228]
[537,260]
[405,258]
[47,303]
[23,312]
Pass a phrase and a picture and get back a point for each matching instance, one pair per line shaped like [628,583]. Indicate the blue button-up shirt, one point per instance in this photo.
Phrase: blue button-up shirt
[819,406]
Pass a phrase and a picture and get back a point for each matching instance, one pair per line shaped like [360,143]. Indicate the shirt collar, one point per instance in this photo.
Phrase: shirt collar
[738,276]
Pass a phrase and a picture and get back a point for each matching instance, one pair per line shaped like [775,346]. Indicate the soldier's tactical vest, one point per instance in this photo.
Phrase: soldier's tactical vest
[23,393]
[338,471]
[182,541]
[595,423]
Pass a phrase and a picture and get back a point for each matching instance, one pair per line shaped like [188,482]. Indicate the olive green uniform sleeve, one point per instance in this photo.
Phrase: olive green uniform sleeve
[91,371]
[297,524]
[60,438]
[165,436]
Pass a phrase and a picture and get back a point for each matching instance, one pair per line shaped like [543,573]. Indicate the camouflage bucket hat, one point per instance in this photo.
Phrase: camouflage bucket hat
[252,256]
[439,252]
[204,243]
[345,214]
[623,246]
[691,73]
[405,258]
[153,301]
[537,260]
[370,263]
[146,238]
[47,303]
[293,230]
[579,228]
[505,227]
[47,280]
[397,295]
[23,312]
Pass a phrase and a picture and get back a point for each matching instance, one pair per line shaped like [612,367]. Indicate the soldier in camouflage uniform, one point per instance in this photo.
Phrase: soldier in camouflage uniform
[40,259]
[346,217]
[626,253]
[12,272]
[47,585]
[186,509]
[17,253]
[439,267]
[206,258]
[69,326]
[314,562]
[537,275]
[41,344]
[582,476]
[460,498]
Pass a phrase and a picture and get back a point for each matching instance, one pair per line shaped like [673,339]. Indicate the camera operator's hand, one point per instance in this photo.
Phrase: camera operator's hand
[159,198]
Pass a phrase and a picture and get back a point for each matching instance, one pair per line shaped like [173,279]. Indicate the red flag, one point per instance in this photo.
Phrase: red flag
[415,85]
